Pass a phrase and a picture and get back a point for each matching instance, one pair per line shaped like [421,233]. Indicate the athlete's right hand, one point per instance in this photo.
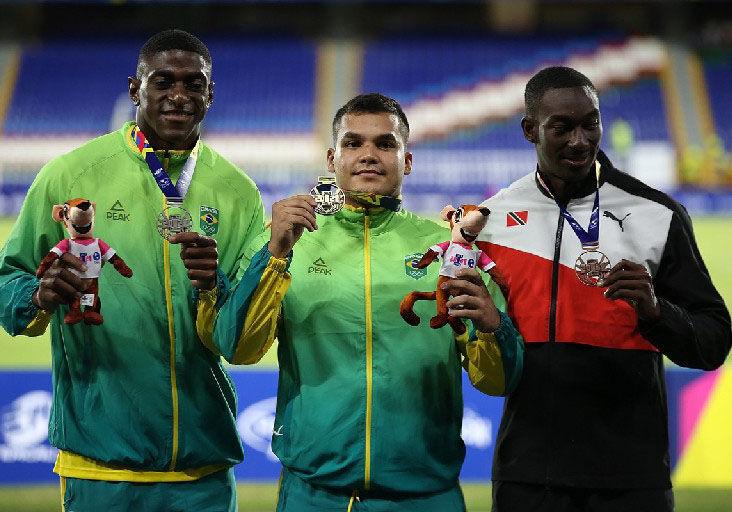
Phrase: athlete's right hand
[289,218]
[59,285]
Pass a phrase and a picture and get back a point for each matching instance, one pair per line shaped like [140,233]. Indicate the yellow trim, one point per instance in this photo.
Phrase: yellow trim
[206,318]
[7,84]
[279,488]
[62,486]
[39,324]
[260,325]
[461,340]
[171,334]
[354,497]
[71,465]
[484,364]
[369,349]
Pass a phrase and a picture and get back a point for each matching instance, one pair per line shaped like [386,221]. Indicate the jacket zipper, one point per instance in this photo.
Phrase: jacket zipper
[555,280]
[167,273]
[369,349]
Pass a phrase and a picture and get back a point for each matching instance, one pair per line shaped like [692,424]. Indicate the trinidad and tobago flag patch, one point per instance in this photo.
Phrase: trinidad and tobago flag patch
[517,218]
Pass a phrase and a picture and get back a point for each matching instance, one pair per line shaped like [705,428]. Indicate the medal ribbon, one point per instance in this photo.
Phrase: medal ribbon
[173,193]
[375,200]
[589,239]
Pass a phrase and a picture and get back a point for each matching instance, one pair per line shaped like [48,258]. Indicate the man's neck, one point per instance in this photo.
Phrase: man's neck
[564,190]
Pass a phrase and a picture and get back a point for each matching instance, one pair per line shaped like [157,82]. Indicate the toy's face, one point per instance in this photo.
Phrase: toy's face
[467,222]
[78,217]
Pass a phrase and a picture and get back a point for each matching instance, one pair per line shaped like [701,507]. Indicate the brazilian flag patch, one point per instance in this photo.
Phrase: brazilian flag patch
[209,220]
[412,272]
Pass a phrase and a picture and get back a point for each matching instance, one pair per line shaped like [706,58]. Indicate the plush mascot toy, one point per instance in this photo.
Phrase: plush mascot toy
[465,223]
[78,217]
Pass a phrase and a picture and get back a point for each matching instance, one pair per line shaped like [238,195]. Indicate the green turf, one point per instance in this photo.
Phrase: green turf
[711,232]
[261,497]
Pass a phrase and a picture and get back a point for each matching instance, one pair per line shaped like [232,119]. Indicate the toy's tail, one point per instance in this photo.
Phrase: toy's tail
[407,305]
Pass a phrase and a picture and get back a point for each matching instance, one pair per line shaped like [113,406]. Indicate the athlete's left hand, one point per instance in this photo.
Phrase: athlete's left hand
[631,282]
[469,298]
[200,258]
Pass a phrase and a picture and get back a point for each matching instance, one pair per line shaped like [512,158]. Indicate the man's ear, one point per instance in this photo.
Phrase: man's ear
[210,92]
[57,213]
[407,163]
[529,127]
[330,158]
[133,88]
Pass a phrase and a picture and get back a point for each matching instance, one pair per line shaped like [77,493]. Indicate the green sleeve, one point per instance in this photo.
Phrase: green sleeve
[246,322]
[32,236]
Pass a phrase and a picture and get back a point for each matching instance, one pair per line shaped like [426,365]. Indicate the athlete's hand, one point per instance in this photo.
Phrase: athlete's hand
[290,217]
[200,258]
[59,285]
[469,298]
[631,282]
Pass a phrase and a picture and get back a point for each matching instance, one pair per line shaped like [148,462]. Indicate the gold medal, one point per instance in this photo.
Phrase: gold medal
[329,198]
[172,220]
[592,267]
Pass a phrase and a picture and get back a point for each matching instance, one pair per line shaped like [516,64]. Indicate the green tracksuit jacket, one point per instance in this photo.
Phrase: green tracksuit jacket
[365,401]
[139,398]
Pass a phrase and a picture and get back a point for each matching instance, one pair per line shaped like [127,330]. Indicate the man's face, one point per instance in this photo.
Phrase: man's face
[370,154]
[173,94]
[566,130]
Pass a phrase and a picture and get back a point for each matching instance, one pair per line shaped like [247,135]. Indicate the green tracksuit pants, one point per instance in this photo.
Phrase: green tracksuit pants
[296,495]
[213,493]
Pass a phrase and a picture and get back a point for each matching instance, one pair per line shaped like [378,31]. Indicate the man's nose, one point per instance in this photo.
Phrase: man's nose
[578,138]
[368,154]
[178,92]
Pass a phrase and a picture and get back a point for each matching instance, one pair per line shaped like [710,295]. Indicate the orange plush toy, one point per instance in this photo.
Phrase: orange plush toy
[78,217]
[465,223]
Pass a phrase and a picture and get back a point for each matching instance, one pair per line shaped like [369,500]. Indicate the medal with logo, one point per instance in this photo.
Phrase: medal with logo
[591,265]
[328,197]
[174,218]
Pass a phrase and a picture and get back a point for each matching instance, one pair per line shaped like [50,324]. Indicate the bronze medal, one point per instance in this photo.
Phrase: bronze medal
[592,267]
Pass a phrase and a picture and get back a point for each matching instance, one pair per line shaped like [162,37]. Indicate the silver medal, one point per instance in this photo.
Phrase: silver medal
[329,198]
[174,219]
[592,267]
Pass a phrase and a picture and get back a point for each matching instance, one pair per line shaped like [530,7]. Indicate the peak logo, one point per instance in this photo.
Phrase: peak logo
[117,212]
[319,267]
[24,427]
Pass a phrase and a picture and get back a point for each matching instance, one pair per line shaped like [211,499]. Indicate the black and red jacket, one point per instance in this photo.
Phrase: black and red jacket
[590,410]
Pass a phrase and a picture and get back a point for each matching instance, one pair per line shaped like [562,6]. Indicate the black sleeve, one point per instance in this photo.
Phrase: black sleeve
[694,329]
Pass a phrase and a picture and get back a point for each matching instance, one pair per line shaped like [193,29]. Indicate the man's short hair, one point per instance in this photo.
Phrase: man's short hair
[372,103]
[173,39]
[555,77]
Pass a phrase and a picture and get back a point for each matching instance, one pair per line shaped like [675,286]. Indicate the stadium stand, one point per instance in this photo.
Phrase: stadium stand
[68,87]
[718,74]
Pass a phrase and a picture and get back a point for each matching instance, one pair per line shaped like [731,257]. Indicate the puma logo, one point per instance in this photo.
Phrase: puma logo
[610,215]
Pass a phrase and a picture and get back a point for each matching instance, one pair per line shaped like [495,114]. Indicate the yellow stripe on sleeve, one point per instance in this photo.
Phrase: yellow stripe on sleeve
[39,324]
[260,325]
[206,319]
[484,365]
